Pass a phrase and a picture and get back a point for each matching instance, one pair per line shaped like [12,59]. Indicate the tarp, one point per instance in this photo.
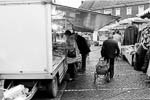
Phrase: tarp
[109,27]
[85,19]
[122,24]
[113,27]
[81,28]
[137,20]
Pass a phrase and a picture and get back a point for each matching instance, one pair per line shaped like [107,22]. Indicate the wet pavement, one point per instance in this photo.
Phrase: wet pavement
[127,84]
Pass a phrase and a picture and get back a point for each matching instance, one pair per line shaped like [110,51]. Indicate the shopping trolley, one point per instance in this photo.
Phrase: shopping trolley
[102,68]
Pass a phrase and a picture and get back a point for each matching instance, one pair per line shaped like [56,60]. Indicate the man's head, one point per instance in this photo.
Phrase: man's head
[67,33]
[117,32]
[110,36]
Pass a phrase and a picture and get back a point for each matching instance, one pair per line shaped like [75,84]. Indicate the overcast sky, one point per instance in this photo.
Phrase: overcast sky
[70,3]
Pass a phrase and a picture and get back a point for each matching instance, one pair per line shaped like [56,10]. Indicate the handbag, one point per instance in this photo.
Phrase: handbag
[71,53]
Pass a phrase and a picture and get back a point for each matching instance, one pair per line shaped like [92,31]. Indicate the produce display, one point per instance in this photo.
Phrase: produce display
[59,49]
[128,51]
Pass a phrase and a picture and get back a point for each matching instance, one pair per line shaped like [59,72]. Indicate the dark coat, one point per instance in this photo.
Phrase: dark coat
[110,49]
[82,45]
[130,35]
[146,61]
[140,55]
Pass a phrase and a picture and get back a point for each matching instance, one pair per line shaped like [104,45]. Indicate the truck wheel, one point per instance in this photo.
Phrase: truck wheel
[53,87]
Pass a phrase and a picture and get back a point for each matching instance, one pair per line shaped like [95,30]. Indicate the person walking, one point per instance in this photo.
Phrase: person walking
[84,50]
[117,36]
[109,51]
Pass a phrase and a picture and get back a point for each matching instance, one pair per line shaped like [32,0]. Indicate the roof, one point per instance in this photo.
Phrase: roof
[87,5]
[101,4]
[22,0]
[6,2]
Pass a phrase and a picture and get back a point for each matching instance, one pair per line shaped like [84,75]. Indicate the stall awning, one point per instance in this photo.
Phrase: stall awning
[81,29]
[85,20]
[109,27]
[137,20]
[145,14]
[72,26]
[122,24]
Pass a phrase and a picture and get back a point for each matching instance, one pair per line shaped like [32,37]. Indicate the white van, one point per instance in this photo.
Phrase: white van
[26,47]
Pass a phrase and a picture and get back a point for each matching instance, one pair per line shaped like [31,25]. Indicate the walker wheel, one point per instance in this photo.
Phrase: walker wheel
[95,76]
[108,77]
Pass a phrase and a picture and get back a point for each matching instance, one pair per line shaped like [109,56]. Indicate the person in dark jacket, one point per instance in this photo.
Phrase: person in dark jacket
[109,51]
[140,57]
[146,61]
[84,50]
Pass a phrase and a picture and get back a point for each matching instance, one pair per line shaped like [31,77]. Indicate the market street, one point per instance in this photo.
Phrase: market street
[127,84]
[43,42]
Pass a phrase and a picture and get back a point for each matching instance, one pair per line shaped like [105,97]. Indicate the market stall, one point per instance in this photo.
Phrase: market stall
[79,20]
[128,52]
[145,41]
[131,37]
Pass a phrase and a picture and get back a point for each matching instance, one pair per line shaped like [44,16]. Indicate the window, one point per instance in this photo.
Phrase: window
[117,11]
[129,10]
[140,8]
[108,11]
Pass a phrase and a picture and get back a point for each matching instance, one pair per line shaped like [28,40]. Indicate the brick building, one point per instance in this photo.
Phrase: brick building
[122,8]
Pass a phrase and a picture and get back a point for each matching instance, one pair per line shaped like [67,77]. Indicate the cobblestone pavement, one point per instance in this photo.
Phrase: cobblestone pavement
[127,84]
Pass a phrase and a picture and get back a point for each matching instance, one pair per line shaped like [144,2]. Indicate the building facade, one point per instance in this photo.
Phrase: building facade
[121,8]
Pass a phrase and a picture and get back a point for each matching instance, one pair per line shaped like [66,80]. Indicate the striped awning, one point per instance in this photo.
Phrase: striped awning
[145,14]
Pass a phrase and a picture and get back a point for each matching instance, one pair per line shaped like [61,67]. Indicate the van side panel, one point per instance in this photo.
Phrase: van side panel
[23,39]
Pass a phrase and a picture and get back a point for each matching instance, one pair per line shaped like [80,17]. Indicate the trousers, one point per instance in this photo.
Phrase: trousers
[72,70]
[84,61]
[111,66]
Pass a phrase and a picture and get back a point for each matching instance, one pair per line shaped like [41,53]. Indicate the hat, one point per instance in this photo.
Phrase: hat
[68,32]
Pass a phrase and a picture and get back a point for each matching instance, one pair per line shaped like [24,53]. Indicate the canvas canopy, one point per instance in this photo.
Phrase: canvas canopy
[109,27]
[137,20]
[85,20]
[122,24]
